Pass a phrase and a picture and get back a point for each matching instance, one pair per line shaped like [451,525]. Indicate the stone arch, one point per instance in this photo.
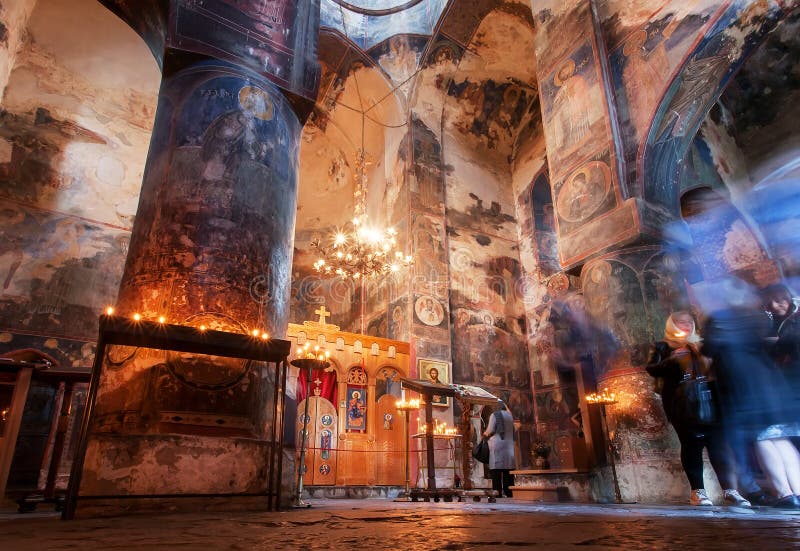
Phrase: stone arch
[704,74]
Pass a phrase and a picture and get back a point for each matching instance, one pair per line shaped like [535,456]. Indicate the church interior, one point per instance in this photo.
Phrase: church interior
[238,237]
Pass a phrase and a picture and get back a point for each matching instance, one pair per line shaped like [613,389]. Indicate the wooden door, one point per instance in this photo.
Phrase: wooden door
[322,441]
[389,443]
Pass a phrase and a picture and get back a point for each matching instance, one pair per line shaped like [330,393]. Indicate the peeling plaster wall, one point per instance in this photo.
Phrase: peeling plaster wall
[14,15]
[760,108]
[491,100]
[77,117]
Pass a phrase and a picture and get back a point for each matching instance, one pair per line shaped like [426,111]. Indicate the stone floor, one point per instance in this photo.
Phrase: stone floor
[383,524]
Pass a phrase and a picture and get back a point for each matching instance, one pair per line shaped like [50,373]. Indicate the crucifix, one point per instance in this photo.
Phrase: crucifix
[317,390]
[323,314]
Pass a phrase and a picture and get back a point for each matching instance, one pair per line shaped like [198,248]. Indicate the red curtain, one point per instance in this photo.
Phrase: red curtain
[328,387]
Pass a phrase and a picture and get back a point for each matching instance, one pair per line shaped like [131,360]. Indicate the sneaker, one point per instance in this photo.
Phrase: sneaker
[789,502]
[760,499]
[732,497]
[699,497]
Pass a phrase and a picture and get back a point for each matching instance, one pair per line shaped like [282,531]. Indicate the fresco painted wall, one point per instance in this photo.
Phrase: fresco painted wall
[582,135]
[216,214]
[757,109]
[14,15]
[74,139]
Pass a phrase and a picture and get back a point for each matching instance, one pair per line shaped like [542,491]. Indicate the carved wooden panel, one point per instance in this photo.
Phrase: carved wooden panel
[389,443]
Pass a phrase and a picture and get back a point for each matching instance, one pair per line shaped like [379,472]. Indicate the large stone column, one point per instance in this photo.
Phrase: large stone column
[215,223]
[212,238]
[628,296]
[211,245]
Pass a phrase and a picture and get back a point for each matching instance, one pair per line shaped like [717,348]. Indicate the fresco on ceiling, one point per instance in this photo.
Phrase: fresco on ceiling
[642,66]
[263,36]
[57,272]
[489,110]
[560,25]
[763,123]
[619,17]
[573,109]
[710,66]
[148,18]
[339,71]
[368,30]
[443,51]
[399,57]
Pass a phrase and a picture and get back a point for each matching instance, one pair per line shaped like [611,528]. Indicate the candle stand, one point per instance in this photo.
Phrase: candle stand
[602,400]
[310,361]
[406,408]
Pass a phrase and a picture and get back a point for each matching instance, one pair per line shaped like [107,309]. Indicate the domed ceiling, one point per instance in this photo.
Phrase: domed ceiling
[369,22]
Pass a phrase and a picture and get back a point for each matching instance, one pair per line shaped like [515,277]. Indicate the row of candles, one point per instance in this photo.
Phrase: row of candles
[305,352]
[256,333]
[601,398]
[439,428]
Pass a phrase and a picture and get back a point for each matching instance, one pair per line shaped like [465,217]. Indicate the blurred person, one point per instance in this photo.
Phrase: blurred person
[500,433]
[774,447]
[676,361]
[752,393]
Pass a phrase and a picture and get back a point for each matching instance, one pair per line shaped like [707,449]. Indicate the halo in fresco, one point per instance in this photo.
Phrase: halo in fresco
[256,102]
[584,192]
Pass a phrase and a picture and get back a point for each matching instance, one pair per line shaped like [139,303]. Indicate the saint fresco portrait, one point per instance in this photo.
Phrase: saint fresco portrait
[435,371]
[356,409]
[429,310]
[584,191]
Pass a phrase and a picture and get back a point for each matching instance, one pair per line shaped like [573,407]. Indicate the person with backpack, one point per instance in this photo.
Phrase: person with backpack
[684,382]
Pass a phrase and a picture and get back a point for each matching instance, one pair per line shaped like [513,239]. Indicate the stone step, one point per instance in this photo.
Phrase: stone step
[558,494]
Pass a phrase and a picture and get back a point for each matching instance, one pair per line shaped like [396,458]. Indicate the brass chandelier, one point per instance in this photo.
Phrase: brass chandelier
[359,250]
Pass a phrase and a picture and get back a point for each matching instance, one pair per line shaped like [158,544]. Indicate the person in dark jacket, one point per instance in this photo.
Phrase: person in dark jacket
[753,393]
[675,360]
[777,454]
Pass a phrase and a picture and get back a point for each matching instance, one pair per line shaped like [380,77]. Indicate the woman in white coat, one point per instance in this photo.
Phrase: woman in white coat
[500,433]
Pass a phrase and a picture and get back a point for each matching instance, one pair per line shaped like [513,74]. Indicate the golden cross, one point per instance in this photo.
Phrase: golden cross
[322,313]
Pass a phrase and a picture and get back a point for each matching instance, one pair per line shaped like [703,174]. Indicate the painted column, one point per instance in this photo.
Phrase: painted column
[215,226]
[628,296]
[211,246]
[216,220]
